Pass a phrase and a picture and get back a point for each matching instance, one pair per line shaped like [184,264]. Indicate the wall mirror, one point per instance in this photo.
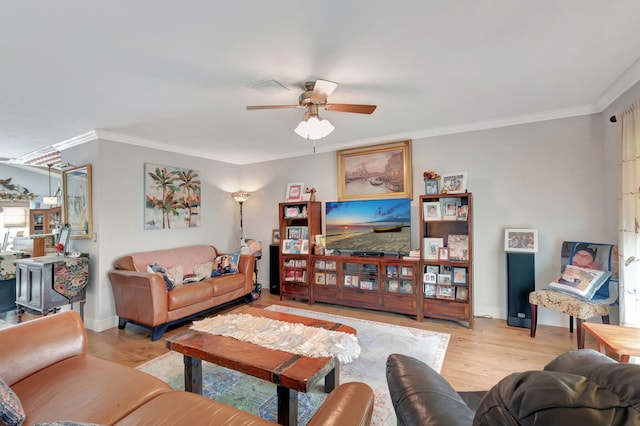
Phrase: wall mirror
[76,195]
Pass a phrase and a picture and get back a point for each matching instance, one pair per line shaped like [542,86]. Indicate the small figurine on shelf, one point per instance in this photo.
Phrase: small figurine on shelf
[304,211]
[312,192]
[59,248]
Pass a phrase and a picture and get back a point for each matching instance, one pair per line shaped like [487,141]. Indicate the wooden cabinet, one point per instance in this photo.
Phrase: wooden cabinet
[300,222]
[44,284]
[43,221]
[446,231]
[381,283]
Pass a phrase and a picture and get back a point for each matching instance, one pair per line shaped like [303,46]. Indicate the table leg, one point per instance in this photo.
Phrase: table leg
[331,380]
[287,406]
[192,374]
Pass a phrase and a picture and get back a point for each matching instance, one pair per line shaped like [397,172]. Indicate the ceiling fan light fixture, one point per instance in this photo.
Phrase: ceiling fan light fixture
[313,127]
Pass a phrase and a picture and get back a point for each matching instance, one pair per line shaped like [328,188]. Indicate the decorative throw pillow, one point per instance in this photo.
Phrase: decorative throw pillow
[226,264]
[580,282]
[176,274]
[158,269]
[203,269]
[11,411]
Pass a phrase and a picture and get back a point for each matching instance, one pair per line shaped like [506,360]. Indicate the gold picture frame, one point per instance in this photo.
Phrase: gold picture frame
[376,171]
[76,196]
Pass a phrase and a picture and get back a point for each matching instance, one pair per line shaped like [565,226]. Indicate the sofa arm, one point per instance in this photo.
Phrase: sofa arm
[574,361]
[246,266]
[421,396]
[140,296]
[31,346]
[349,404]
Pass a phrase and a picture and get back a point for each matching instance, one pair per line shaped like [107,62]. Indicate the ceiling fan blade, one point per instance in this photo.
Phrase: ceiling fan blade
[272,106]
[359,109]
[321,90]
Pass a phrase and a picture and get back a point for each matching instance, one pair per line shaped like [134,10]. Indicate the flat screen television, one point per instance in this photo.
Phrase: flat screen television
[369,225]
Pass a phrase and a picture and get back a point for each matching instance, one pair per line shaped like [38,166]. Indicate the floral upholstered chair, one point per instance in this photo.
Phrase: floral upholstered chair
[591,302]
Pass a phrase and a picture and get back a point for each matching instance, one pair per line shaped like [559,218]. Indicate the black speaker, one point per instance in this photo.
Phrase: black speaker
[274,269]
[520,282]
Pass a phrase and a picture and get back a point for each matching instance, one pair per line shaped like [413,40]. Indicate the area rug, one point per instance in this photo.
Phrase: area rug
[256,396]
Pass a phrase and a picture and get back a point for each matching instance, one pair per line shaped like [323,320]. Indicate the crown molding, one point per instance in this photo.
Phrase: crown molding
[626,81]
[76,140]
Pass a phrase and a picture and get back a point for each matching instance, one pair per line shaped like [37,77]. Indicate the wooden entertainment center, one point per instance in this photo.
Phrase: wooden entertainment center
[386,283]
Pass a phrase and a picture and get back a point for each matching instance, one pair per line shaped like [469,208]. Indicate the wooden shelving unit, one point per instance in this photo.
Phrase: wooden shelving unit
[452,298]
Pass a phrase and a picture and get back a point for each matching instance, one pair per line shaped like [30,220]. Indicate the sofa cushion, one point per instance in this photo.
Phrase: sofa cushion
[227,283]
[189,294]
[79,388]
[187,256]
[225,264]
[11,411]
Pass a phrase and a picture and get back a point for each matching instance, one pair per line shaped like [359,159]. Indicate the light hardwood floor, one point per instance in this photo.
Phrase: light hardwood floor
[475,359]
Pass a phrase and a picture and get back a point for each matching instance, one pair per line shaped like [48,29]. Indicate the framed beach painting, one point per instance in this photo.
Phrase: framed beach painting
[76,194]
[171,197]
[374,172]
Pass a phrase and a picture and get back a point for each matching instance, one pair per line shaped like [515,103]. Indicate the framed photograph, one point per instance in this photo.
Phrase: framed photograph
[287,246]
[319,264]
[275,236]
[458,248]
[431,186]
[449,208]
[521,240]
[455,183]
[444,279]
[462,294]
[446,292]
[392,286]
[443,253]
[431,210]
[392,271]
[294,191]
[330,265]
[459,275]
[331,279]
[76,195]
[304,247]
[376,171]
[430,290]
[432,269]
[406,271]
[406,287]
[430,248]
[294,233]
[366,285]
[462,212]
[430,278]
[320,279]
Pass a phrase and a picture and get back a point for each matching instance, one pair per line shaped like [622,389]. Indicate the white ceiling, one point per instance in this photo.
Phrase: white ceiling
[176,75]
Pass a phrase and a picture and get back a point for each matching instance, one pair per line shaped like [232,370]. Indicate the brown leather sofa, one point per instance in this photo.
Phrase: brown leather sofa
[46,364]
[142,297]
[581,387]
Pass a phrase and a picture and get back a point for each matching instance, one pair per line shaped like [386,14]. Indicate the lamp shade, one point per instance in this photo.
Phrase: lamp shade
[50,201]
[240,196]
[314,127]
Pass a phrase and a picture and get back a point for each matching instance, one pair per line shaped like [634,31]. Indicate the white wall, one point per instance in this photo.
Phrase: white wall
[118,211]
[547,176]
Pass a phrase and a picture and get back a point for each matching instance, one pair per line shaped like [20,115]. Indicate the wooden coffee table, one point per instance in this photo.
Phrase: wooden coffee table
[623,341]
[291,373]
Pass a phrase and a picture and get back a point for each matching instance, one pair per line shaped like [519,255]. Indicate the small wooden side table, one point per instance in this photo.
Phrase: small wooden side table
[623,341]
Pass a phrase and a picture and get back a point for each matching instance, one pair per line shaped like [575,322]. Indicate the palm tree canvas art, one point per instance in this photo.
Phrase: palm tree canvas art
[172,197]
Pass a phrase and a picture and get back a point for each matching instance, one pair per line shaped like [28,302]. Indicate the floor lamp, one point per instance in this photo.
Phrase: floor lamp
[241,197]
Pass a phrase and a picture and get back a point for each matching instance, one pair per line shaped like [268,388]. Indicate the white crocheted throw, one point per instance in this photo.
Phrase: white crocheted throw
[298,339]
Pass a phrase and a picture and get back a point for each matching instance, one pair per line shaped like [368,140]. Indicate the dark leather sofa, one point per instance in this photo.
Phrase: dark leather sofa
[581,387]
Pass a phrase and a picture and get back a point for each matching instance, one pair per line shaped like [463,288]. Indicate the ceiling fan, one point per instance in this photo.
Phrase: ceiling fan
[314,97]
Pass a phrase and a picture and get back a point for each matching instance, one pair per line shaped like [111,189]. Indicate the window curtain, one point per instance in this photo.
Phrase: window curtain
[629,238]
